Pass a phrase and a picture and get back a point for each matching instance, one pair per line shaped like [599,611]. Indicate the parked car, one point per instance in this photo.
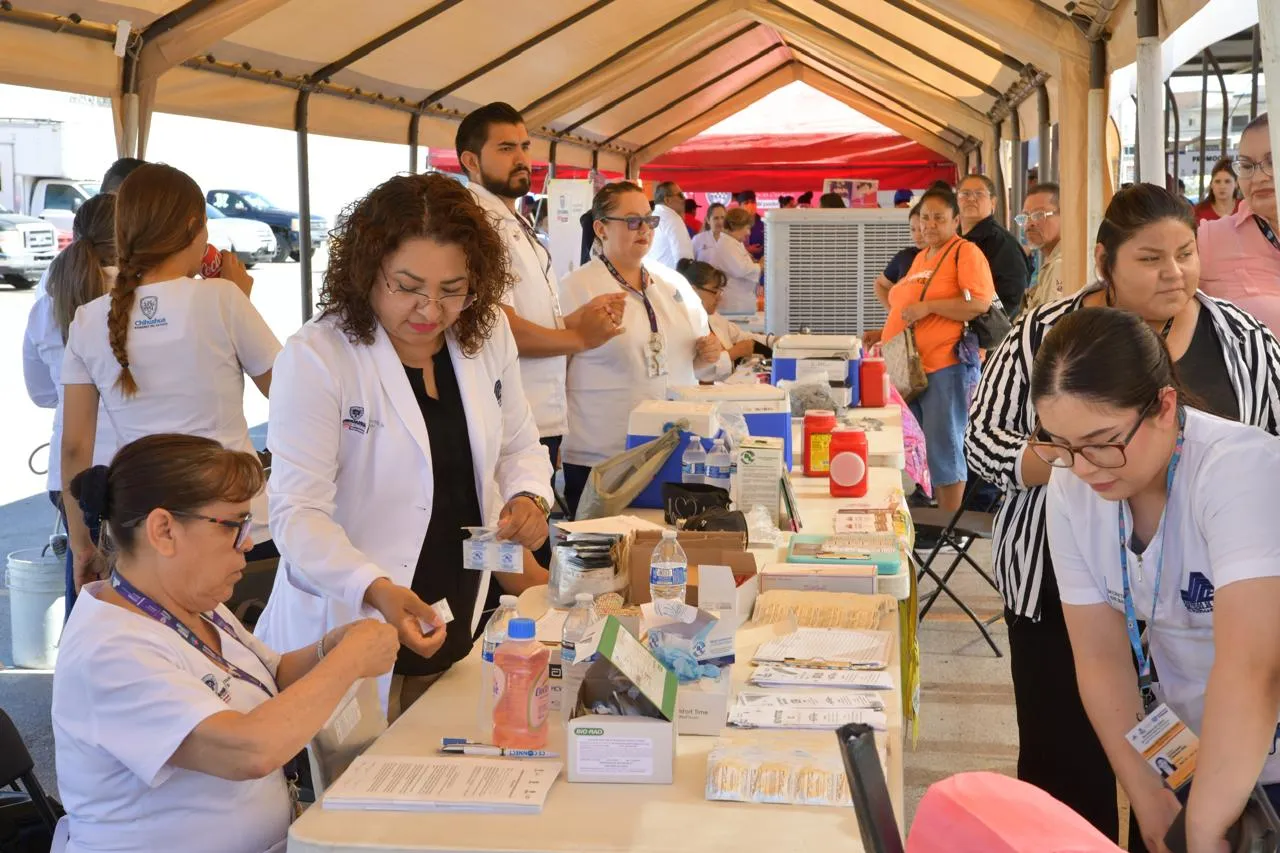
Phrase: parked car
[252,241]
[284,223]
[27,247]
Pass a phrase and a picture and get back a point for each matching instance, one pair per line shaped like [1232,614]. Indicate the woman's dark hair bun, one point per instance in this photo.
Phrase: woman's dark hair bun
[92,491]
[683,264]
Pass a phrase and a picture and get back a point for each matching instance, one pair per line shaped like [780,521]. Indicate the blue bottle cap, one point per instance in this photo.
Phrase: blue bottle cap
[522,629]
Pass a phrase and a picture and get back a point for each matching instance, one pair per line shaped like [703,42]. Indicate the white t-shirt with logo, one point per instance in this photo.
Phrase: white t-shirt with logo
[126,693]
[190,343]
[1218,528]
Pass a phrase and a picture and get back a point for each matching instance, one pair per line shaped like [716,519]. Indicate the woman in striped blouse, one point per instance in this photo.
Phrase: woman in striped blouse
[1147,262]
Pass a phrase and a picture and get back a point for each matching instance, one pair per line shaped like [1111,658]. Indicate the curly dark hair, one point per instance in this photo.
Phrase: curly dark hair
[403,208]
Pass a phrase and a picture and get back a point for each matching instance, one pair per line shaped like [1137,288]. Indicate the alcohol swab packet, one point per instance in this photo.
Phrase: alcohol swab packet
[443,612]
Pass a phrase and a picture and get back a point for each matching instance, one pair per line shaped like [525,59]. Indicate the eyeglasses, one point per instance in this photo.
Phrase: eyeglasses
[239,525]
[451,302]
[1109,454]
[1035,217]
[714,291]
[1246,168]
[972,194]
[634,222]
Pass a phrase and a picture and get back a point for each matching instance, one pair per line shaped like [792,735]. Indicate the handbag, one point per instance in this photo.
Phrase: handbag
[615,482]
[686,500]
[990,327]
[902,359]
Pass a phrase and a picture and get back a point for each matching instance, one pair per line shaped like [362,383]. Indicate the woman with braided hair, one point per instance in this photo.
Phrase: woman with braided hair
[163,351]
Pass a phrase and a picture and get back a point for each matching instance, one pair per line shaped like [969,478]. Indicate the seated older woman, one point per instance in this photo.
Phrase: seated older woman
[172,723]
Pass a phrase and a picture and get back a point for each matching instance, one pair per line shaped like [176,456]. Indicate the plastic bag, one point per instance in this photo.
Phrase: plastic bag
[614,483]
[586,562]
[760,528]
[807,396]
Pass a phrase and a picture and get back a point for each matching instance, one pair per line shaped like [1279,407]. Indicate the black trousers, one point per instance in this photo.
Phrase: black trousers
[552,444]
[1059,752]
[575,482]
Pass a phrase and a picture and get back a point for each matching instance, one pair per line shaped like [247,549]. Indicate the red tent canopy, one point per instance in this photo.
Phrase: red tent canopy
[786,162]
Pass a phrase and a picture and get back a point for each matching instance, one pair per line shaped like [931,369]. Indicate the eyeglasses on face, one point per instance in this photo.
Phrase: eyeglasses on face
[1035,217]
[1246,168]
[240,525]
[450,303]
[972,194]
[714,291]
[634,222]
[1109,454]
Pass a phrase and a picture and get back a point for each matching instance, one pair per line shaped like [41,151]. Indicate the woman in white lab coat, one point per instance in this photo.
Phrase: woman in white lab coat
[665,335]
[704,243]
[732,258]
[738,343]
[79,274]
[398,418]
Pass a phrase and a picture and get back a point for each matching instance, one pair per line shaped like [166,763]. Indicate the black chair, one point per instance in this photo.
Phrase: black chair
[28,805]
[959,530]
[871,801]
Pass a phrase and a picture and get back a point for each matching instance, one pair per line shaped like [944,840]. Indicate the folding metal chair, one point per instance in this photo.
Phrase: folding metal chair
[958,530]
[16,766]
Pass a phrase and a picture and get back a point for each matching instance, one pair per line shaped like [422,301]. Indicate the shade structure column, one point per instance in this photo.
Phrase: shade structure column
[1076,178]
[1151,95]
[1269,31]
[1096,194]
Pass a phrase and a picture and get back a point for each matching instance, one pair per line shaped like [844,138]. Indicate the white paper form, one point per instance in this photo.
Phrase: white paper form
[818,647]
[450,783]
[764,717]
[776,675]
[813,699]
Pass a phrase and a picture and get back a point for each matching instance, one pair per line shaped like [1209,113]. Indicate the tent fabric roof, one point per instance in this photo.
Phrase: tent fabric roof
[785,162]
[619,79]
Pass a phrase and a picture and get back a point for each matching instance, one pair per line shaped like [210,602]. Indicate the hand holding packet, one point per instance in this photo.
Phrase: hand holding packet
[483,551]
[443,612]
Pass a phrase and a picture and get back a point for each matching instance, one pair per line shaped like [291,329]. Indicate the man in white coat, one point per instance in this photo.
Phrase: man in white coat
[671,241]
[493,148]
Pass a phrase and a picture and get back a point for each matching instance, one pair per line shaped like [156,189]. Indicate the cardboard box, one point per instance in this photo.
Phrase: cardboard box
[702,707]
[760,467]
[713,549]
[719,591]
[622,749]
[809,577]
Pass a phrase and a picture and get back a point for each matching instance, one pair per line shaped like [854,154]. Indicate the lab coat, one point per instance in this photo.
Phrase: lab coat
[351,485]
[704,247]
[732,258]
[671,240]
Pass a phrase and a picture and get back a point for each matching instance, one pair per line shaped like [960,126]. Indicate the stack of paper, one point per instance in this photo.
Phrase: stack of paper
[780,711]
[774,675]
[811,699]
[829,647]
[452,783]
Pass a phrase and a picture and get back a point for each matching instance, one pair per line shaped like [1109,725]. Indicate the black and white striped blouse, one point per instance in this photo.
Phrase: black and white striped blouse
[1001,419]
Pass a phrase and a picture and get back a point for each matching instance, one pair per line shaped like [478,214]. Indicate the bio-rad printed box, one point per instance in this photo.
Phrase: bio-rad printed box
[760,472]
[635,742]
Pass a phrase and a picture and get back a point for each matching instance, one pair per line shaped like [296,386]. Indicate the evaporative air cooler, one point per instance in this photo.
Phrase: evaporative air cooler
[822,267]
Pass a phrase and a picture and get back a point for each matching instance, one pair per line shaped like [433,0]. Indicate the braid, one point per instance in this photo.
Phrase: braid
[118,321]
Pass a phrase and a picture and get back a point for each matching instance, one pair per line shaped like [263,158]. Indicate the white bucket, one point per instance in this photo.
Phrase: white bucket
[37,606]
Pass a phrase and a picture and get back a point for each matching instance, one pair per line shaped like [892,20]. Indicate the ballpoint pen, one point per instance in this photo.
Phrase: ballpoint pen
[494,751]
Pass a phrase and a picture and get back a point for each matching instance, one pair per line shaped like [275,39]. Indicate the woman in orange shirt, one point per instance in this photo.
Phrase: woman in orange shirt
[949,283]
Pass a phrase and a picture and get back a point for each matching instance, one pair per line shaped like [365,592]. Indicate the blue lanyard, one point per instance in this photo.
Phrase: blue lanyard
[643,294]
[158,612]
[1130,612]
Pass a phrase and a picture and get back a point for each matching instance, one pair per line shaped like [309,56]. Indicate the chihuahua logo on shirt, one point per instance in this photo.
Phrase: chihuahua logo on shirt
[221,689]
[1198,596]
[355,422]
[150,305]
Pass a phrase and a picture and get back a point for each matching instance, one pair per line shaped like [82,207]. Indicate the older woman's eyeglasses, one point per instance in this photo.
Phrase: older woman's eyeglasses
[1246,168]
[1108,454]
[634,222]
[240,525]
[448,303]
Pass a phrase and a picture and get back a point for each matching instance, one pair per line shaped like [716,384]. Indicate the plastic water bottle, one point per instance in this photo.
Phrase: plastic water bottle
[668,570]
[575,626]
[521,691]
[719,466]
[693,464]
[495,633]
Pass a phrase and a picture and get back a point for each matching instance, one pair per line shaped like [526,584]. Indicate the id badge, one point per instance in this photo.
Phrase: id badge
[1167,745]
[656,355]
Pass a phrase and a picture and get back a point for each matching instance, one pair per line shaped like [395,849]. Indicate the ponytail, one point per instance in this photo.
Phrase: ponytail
[75,278]
[122,296]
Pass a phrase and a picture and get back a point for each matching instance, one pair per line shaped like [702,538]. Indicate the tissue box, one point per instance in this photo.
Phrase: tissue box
[838,356]
[803,577]
[703,706]
[650,419]
[766,409]
[632,749]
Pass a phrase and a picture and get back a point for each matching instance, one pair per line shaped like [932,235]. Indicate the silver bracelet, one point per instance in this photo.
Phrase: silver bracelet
[320,648]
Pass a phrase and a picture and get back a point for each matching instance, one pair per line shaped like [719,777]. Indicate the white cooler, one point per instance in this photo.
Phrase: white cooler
[766,408]
[836,356]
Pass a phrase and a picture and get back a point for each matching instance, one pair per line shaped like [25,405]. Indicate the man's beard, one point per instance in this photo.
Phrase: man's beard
[514,186]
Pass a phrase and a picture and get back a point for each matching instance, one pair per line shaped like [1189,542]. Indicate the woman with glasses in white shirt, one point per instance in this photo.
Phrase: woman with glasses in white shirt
[1159,513]
[665,339]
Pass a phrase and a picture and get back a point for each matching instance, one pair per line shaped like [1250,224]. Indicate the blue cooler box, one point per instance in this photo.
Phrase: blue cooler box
[838,356]
[650,420]
[766,409]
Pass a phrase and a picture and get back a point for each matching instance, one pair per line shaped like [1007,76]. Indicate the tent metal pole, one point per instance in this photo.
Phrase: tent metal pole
[1257,64]
[1269,29]
[1044,134]
[551,160]
[1017,167]
[997,171]
[1095,191]
[1151,153]
[1204,120]
[1174,117]
[415,121]
[1226,103]
[304,202]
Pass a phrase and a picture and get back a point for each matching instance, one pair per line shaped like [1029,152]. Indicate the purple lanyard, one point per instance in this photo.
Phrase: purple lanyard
[157,612]
[1267,231]
[644,282]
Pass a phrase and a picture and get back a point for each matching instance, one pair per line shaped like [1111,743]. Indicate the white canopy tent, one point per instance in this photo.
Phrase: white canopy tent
[603,83]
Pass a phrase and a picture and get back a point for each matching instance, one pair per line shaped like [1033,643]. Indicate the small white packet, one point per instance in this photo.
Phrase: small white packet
[484,552]
[443,612]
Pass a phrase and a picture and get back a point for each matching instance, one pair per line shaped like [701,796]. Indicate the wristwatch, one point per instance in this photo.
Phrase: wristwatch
[537,499]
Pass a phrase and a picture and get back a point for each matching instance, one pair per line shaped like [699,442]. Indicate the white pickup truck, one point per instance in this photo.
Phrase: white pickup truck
[27,247]
[32,180]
